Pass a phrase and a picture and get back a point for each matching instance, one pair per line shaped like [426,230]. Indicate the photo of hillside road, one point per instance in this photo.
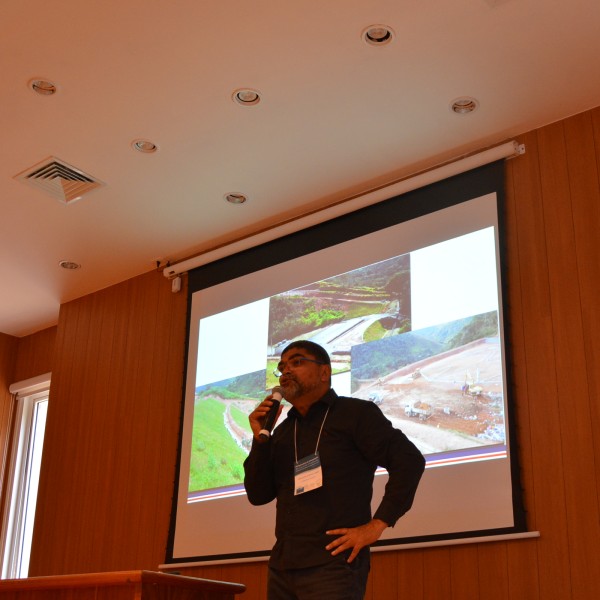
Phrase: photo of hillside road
[363,305]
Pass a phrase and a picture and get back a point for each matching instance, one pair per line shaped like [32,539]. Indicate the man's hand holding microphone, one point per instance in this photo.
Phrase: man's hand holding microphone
[265,415]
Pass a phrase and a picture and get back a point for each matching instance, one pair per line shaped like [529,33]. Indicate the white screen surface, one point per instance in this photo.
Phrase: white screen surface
[449,397]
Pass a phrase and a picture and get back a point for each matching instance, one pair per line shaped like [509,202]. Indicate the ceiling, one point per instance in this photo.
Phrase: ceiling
[337,117]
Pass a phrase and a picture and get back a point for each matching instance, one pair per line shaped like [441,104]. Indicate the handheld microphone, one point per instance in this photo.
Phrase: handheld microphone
[271,417]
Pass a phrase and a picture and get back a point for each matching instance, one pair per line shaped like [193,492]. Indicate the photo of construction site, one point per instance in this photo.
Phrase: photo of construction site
[442,386]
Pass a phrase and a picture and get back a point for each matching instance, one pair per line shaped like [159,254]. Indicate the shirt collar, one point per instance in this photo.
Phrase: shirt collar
[327,400]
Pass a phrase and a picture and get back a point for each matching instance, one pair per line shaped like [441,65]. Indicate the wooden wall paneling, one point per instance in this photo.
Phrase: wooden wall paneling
[218,573]
[524,572]
[167,386]
[8,348]
[86,372]
[64,466]
[411,574]
[139,414]
[136,408]
[99,437]
[171,375]
[571,369]
[34,354]
[113,439]
[464,572]
[437,580]
[514,324]
[584,168]
[521,583]
[50,469]
[8,351]
[195,571]
[85,523]
[115,319]
[582,153]
[492,566]
[550,507]
[383,580]
[234,573]
[115,514]
[155,340]
[254,576]
[214,572]
[111,436]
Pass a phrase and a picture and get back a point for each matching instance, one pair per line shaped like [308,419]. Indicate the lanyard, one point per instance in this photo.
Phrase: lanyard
[318,439]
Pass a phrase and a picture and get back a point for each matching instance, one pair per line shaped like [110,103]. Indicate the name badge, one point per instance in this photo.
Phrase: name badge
[307,474]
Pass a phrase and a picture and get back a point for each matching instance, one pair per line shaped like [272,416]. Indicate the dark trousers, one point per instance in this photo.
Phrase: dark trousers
[336,580]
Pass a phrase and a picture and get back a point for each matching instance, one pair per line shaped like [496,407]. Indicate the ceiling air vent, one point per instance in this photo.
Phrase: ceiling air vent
[59,179]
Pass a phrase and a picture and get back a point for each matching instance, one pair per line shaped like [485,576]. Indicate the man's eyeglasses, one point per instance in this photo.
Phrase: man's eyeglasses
[294,363]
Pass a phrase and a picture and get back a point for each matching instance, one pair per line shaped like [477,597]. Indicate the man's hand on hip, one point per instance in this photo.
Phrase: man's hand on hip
[355,537]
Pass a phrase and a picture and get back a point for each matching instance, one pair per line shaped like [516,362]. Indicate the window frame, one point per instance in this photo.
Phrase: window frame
[23,455]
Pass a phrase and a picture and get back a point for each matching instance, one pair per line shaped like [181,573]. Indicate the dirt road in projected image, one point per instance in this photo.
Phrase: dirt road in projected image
[241,436]
[340,337]
[457,419]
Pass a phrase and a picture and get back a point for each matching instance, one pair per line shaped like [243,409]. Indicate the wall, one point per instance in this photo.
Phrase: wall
[111,446]
[112,431]
[34,354]
[8,353]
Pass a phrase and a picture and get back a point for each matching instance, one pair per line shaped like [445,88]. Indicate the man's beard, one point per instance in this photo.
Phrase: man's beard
[294,389]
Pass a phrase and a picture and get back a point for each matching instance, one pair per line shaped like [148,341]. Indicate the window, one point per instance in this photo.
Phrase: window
[22,474]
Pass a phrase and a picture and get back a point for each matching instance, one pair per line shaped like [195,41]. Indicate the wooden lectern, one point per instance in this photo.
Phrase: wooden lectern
[123,585]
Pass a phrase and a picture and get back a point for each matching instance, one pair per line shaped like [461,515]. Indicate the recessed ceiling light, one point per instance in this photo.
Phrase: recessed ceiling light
[378,35]
[145,146]
[43,87]
[235,198]
[69,265]
[246,97]
[464,105]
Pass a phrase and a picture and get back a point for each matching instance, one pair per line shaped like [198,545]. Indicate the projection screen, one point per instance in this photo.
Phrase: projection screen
[406,295]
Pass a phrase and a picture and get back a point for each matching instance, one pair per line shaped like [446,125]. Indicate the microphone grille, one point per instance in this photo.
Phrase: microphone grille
[277,389]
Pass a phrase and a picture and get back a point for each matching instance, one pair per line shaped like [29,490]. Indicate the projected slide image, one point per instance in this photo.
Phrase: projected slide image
[365,304]
[405,333]
[441,385]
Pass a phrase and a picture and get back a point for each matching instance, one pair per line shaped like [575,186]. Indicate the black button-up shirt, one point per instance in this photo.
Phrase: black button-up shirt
[355,440]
